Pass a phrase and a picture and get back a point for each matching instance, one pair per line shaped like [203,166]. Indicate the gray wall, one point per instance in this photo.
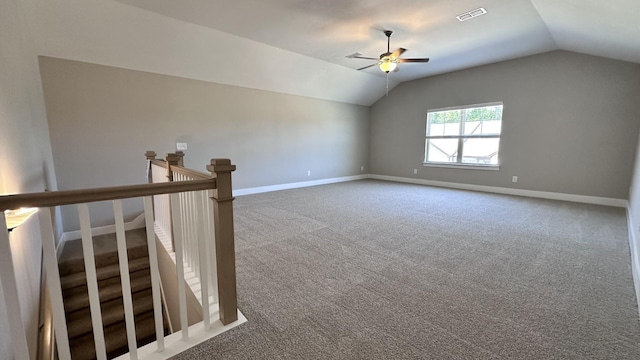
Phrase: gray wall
[633,216]
[570,123]
[26,165]
[102,119]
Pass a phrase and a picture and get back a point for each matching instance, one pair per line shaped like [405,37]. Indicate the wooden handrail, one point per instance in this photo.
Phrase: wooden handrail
[56,198]
[159,162]
[196,175]
[151,156]
[177,158]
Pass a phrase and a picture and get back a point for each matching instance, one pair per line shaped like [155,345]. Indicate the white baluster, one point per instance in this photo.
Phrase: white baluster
[50,260]
[203,263]
[92,282]
[155,273]
[212,248]
[182,301]
[194,231]
[123,260]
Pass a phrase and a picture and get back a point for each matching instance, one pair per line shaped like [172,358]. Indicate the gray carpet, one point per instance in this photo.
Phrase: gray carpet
[381,270]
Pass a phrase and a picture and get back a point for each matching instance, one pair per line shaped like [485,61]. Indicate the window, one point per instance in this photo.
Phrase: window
[464,136]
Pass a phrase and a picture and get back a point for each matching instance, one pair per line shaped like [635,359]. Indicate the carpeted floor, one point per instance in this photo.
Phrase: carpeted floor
[382,270]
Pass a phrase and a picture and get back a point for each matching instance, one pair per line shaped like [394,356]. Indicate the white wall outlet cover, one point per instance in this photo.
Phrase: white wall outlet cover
[181,146]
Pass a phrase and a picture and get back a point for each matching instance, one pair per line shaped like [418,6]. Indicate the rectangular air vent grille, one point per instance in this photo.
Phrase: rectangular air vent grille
[471,14]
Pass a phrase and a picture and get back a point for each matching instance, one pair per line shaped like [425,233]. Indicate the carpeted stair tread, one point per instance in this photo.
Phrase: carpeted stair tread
[79,323]
[105,251]
[78,297]
[105,272]
[83,347]
[77,265]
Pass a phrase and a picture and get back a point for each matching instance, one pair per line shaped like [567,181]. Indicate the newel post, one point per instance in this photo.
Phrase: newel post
[172,160]
[151,155]
[181,155]
[224,238]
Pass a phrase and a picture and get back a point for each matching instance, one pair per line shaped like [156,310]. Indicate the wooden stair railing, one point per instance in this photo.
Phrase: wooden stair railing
[220,186]
[194,207]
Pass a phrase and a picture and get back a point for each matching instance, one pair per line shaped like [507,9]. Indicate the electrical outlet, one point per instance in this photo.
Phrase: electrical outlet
[361,167]
[181,146]
[309,173]
[514,179]
[415,171]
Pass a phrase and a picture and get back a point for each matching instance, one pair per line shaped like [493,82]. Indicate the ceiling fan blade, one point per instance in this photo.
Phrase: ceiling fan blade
[368,66]
[357,55]
[363,57]
[396,54]
[424,60]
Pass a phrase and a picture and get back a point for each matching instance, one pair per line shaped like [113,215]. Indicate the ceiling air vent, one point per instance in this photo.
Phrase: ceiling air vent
[471,14]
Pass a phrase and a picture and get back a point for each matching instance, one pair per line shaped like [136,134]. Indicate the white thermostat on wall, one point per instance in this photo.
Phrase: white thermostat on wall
[181,146]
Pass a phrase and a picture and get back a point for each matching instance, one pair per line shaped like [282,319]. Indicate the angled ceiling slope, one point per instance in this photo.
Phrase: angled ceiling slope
[111,33]
[602,28]
[331,29]
[272,45]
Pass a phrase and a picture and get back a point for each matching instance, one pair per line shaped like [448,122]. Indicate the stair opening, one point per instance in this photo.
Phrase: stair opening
[76,298]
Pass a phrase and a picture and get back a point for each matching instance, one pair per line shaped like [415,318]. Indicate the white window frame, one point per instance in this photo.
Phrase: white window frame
[461,139]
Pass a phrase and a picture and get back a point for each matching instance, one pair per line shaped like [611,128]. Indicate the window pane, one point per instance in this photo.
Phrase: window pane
[442,150]
[485,120]
[480,151]
[452,128]
[491,127]
[444,123]
[444,129]
[447,116]
[484,113]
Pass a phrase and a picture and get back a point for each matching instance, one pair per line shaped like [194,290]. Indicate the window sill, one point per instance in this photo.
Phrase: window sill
[463,166]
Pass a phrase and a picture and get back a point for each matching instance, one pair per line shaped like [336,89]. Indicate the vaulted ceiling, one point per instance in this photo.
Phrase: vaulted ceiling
[300,46]
[329,30]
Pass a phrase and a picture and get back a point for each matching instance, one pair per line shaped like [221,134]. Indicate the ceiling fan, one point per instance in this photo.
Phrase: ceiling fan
[388,61]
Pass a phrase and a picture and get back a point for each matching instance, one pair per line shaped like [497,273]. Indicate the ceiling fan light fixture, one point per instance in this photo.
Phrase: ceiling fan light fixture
[387,65]
[389,60]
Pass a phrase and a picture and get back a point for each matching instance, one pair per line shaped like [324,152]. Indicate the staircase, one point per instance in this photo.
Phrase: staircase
[76,298]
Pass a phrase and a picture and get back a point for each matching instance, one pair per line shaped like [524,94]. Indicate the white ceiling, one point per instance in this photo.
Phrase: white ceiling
[329,30]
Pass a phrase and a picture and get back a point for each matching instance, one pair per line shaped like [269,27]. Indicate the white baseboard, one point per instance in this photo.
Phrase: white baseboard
[509,191]
[263,189]
[634,247]
[493,189]
[136,223]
